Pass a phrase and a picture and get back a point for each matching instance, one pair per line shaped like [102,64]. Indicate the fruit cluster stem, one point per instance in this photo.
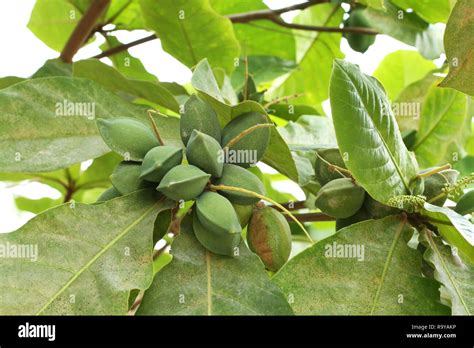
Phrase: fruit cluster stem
[254,194]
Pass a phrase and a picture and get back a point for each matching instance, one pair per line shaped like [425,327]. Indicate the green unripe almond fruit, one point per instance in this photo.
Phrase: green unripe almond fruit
[183,182]
[108,194]
[158,161]
[216,242]
[244,213]
[236,176]
[216,213]
[205,152]
[361,215]
[199,115]
[359,42]
[322,171]
[269,236]
[126,178]
[378,210]
[465,204]
[340,198]
[128,137]
[251,147]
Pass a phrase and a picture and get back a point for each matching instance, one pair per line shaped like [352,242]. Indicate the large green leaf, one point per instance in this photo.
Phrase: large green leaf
[52,21]
[303,137]
[334,277]
[442,121]
[408,28]
[401,68]
[39,134]
[198,282]
[113,80]
[432,11]
[124,62]
[10,80]
[126,14]
[378,4]
[262,69]
[459,45]
[258,38]
[457,278]
[88,258]
[315,53]
[36,206]
[407,107]
[191,31]
[368,133]
[53,67]
[454,228]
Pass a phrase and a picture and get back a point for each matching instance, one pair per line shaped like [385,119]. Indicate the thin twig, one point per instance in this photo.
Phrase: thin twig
[154,126]
[247,17]
[268,199]
[310,217]
[244,133]
[354,30]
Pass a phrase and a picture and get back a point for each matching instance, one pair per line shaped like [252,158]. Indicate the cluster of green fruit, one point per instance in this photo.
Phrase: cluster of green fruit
[189,173]
[342,198]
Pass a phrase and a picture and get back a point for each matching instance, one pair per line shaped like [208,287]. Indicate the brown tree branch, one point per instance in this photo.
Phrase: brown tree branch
[121,48]
[83,29]
[271,15]
[354,30]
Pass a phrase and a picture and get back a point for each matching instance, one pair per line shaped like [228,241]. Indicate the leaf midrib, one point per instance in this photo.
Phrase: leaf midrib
[399,171]
[386,265]
[95,258]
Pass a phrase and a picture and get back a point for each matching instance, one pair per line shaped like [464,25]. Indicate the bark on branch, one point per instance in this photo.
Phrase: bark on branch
[270,15]
[83,29]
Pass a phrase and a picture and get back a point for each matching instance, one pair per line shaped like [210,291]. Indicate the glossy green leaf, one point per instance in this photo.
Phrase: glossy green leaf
[87,258]
[408,28]
[53,21]
[49,123]
[378,4]
[36,206]
[367,132]
[125,14]
[124,62]
[115,81]
[459,45]
[454,228]
[457,278]
[432,11]
[201,283]
[443,117]
[262,69]
[364,269]
[191,31]
[315,53]
[401,68]
[258,38]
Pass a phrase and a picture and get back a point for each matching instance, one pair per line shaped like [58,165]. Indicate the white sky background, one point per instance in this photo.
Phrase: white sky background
[22,54]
